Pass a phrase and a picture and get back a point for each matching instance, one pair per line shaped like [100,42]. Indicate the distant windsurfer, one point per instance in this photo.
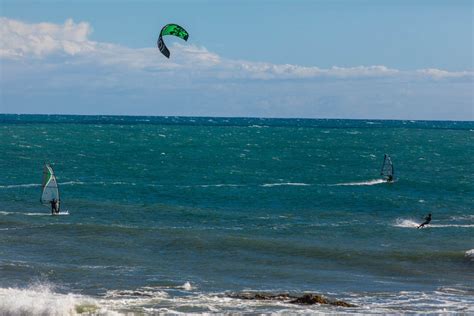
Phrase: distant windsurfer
[387,171]
[54,207]
[426,222]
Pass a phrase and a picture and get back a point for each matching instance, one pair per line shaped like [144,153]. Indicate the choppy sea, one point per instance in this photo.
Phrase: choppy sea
[172,214]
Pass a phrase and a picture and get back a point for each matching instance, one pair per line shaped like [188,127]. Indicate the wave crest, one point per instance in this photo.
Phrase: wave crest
[40,299]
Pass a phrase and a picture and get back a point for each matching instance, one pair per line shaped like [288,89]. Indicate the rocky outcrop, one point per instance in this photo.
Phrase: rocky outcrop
[310,299]
[306,299]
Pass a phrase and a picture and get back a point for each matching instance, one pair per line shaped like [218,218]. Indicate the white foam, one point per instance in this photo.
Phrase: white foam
[370,182]
[27,185]
[62,213]
[40,299]
[470,254]
[187,286]
[220,185]
[451,225]
[441,301]
[408,223]
[462,217]
[71,182]
[284,184]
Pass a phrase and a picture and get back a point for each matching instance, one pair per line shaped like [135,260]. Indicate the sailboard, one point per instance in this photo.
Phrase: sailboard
[50,189]
[387,171]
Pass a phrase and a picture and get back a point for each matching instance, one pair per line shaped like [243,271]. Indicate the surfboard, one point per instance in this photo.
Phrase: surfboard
[61,213]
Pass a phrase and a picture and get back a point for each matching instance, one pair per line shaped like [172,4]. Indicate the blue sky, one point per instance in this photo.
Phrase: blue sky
[345,59]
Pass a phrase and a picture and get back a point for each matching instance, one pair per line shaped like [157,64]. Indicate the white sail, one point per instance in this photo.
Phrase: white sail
[49,186]
[387,168]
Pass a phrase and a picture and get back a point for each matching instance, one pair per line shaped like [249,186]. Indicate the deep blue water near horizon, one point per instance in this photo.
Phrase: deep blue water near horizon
[168,214]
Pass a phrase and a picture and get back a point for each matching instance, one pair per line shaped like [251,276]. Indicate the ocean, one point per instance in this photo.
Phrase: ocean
[174,214]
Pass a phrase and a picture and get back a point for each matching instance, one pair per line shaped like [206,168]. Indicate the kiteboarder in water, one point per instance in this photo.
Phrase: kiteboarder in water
[426,222]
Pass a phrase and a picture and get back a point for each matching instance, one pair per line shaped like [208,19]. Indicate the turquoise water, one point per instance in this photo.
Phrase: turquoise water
[171,213]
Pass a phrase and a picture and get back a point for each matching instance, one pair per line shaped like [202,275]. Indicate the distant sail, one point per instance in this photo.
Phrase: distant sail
[387,168]
[49,186]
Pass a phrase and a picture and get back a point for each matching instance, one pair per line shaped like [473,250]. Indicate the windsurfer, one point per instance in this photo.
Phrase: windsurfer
[54,206]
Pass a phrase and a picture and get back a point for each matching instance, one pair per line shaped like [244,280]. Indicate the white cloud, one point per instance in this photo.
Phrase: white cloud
[440,74]
[20,40]
[57,68]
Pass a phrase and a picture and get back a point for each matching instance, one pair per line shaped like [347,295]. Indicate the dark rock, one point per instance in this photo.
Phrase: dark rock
[306,299]
[261,296]
[310,299]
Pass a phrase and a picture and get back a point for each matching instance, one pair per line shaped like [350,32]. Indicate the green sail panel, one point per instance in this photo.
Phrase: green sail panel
[49,186]
[171,29]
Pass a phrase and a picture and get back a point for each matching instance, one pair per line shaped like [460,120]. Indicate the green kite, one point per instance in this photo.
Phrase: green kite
[170,29]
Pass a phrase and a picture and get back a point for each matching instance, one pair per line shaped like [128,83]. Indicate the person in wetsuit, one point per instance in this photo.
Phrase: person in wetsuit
[426,222]
[389,178]
[54,207]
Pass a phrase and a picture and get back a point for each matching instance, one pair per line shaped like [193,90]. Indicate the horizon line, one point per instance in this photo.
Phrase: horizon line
[240,117]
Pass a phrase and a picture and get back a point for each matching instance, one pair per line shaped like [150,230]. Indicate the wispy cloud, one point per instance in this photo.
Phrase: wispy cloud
[20,40]
[59,64]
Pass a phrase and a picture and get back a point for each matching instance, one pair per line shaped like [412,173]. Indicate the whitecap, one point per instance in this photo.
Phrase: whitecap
[40,299]
[219,185]
[187,286]
[284,184]
[370,182]
[451,225]
[469,254]
[71,182]
[28,185]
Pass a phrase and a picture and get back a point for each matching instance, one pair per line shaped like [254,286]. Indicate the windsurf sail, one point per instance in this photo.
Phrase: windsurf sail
[50,189]
[387,171]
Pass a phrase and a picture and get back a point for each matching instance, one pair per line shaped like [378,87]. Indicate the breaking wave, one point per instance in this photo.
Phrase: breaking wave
[43,299]
[40,299]
[470,254]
